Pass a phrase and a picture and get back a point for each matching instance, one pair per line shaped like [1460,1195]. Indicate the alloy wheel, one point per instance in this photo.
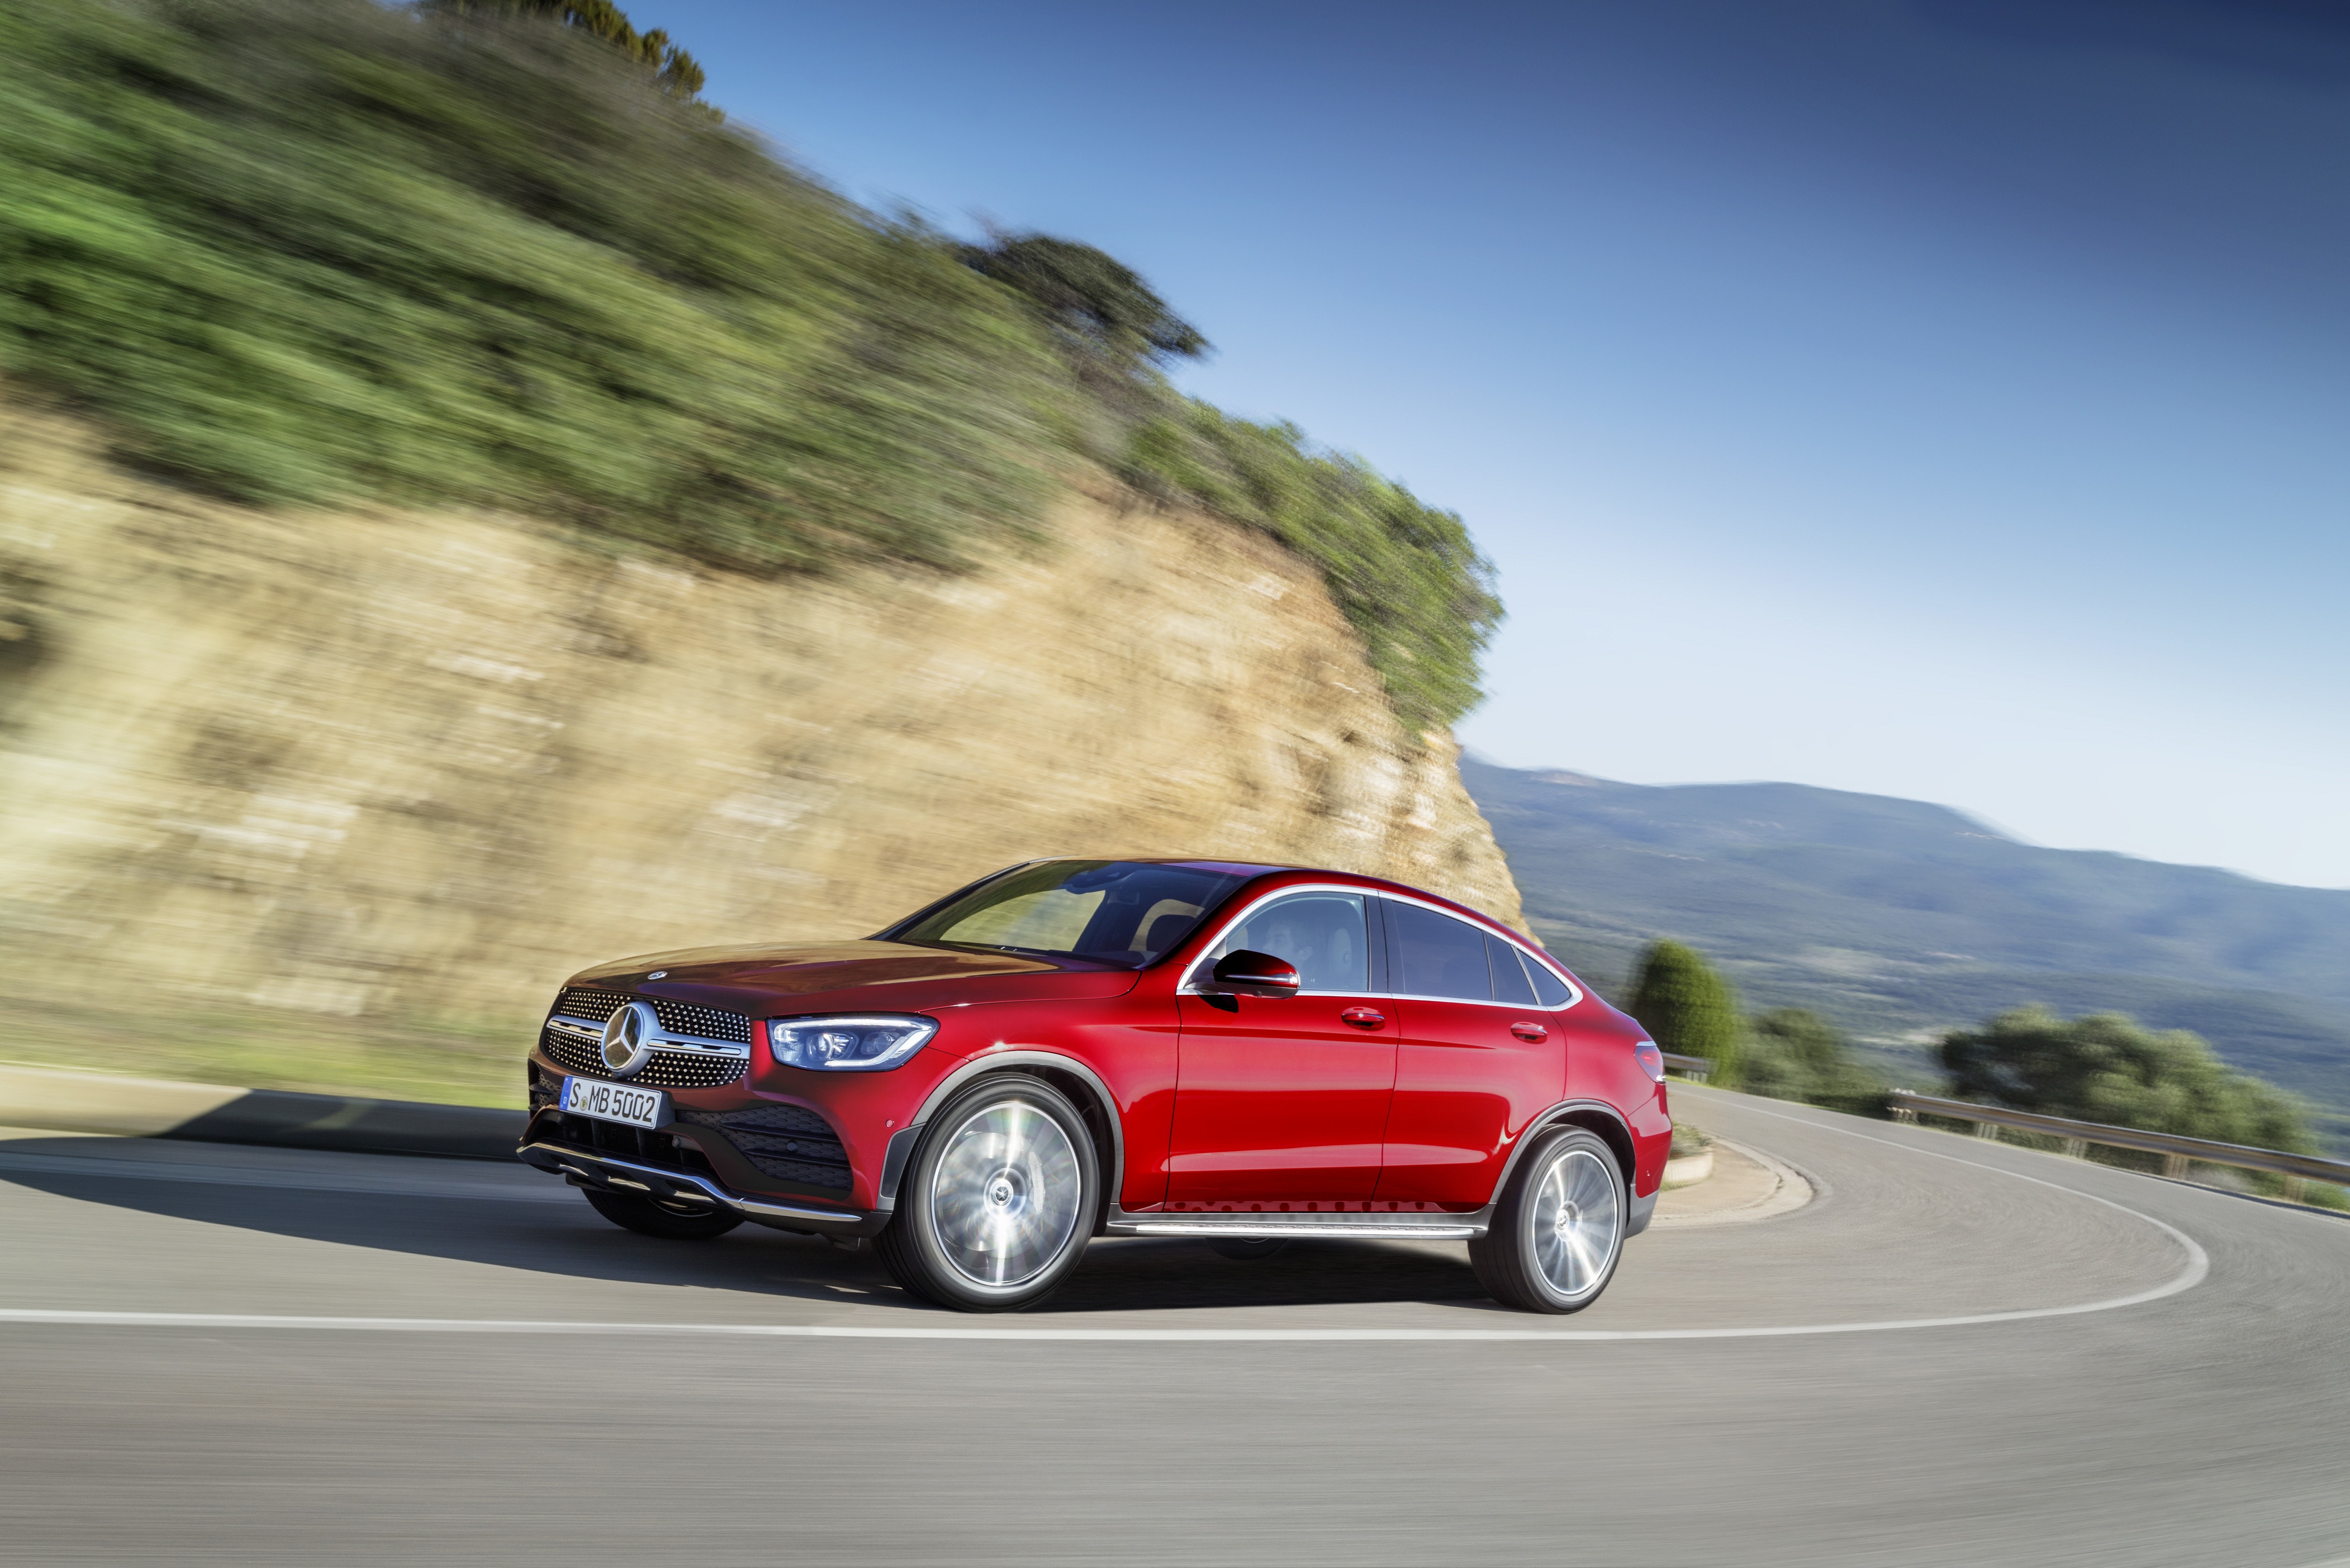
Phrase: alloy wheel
[1006,1194]
[1577,1222]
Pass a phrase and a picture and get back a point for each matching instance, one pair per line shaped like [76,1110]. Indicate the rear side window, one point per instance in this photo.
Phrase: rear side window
[1509,983]
[1549,989]
[1435,955]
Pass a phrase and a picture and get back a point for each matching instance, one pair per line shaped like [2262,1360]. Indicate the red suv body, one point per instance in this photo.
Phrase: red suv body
[1073,1048]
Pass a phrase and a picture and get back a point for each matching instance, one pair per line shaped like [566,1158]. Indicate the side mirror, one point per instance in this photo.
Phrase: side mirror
[1244,973]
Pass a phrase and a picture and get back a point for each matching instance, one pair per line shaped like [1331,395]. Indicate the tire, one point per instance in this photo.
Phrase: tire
[999,1200]
[1558,1230]
[1248,1249]
[674,1221]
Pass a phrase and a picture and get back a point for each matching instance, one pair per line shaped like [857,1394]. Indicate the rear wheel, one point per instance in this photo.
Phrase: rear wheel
[676,1222]
[998,1203]
[1558,1230]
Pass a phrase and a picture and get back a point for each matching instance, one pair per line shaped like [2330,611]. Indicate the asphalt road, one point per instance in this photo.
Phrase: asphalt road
[1958,1353]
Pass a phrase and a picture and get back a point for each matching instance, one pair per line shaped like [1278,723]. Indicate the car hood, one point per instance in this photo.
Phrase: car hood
[896,977]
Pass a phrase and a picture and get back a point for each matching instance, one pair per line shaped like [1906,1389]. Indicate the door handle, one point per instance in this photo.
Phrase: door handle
[1364,1017]
[1532,1033]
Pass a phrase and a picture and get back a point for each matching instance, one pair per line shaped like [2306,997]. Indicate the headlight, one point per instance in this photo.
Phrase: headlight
[848,1045]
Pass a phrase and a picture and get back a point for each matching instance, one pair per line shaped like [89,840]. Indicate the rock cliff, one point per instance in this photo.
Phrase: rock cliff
[384,778]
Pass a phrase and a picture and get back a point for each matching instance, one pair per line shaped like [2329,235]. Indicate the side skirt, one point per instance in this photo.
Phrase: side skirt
[1358,1227]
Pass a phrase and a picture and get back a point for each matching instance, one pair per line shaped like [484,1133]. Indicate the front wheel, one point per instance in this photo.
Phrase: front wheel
[999,1201]
[675,1221]
[1558,1230]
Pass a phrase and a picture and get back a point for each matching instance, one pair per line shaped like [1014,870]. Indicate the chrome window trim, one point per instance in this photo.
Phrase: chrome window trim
[1575,993]
[683,1044]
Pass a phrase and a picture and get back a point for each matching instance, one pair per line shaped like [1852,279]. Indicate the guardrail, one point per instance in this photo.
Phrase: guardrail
[1687,1066]
[2177,1152]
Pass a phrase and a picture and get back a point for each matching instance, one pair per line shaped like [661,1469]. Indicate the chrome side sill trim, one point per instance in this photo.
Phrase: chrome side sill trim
[1388,1227]
[1360,1232]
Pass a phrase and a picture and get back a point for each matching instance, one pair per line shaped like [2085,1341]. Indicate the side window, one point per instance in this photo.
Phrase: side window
[1509,983]
[1437,955]
[1549,989]
[1323,934]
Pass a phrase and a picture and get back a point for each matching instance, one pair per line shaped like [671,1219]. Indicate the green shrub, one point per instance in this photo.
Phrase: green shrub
[1407,575]
[321,250]
[1690,1010]
[492,252]
[1793,1054]
[2106,1068]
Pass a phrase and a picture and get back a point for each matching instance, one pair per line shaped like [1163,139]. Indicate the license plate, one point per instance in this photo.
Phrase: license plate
[609,1101]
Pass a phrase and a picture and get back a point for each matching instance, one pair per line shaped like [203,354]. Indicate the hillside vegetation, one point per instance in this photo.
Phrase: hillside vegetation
[313,253]
[1901,920]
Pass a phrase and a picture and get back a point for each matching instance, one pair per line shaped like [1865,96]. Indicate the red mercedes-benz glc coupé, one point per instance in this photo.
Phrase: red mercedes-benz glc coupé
[1077,1048]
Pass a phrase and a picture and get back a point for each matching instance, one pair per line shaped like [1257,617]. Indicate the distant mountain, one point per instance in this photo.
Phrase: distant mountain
[1901,919]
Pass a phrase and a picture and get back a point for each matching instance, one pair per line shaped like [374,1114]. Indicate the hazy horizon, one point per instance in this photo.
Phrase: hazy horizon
[1955,808]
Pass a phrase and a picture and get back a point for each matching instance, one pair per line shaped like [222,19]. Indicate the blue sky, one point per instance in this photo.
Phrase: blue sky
[1938,400]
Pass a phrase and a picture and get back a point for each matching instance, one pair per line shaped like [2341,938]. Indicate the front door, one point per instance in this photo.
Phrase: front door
[1284,1100]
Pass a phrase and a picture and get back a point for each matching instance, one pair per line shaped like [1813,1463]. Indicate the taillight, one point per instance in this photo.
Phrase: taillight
[1652,1060]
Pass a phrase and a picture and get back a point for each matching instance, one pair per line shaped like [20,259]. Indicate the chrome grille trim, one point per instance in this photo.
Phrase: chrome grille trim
[682,1068]
[581,1029]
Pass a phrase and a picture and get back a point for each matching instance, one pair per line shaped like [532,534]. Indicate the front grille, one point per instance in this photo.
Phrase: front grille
[667,1070]
[545,1087]
[790,1143]
[677,1017]
[710,1023]
[595,1006]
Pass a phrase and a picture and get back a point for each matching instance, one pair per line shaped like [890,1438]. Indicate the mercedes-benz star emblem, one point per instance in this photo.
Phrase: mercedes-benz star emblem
[628,1036]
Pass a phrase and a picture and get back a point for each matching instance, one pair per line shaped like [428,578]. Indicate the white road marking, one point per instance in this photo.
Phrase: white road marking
[2197,1266]
[2187,1280]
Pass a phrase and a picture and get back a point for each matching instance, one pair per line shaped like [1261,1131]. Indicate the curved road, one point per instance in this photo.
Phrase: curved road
[1957,1353]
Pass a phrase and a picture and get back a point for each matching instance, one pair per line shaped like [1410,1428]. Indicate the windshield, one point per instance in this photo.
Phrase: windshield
[1125,912]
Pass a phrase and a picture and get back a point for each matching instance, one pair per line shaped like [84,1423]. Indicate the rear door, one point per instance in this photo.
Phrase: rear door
[1284,1100]
[1480,1056]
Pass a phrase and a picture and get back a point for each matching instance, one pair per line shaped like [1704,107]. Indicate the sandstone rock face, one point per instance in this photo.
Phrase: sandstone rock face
[417,767]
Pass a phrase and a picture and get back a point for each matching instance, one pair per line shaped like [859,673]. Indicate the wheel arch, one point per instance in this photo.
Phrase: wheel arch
[1080,1083]
[1594,1115]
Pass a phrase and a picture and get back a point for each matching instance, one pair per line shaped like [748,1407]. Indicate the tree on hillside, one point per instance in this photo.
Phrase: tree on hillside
[1689,1009]
[1794,1053]
[673,70]
[1100,309]
[2106,1068]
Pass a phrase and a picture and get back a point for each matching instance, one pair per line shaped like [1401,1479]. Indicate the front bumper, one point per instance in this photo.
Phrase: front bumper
[610,1172]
